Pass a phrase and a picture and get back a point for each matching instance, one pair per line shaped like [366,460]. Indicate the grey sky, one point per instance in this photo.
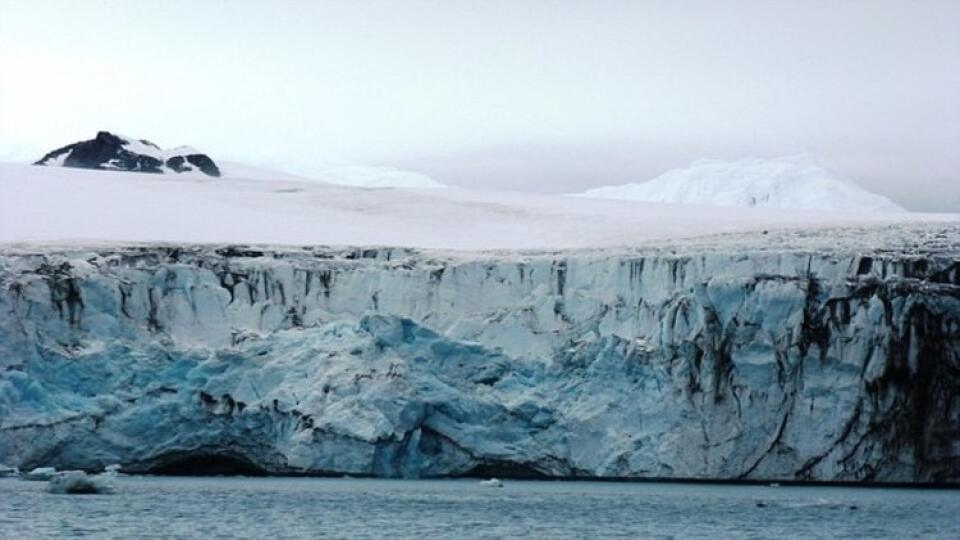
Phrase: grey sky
[542,96]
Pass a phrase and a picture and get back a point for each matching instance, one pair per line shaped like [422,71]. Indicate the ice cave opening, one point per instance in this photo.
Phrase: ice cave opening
[206,465]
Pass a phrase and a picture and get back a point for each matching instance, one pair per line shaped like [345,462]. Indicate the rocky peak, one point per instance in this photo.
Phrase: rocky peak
[109,151]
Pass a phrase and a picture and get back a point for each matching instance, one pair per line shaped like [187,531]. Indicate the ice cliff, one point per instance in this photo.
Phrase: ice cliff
[793,355]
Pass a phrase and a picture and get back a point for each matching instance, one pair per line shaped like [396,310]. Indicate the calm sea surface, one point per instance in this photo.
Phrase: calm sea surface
[279,508]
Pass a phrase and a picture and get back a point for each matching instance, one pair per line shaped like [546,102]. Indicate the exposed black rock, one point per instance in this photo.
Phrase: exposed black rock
[204,163]
[107,151]
[177,164]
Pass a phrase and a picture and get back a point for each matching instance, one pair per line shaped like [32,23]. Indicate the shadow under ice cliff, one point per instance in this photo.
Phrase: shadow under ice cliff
[707,361]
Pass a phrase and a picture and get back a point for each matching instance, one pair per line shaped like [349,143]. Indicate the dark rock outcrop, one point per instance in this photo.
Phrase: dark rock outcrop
[108,151]
[204,163]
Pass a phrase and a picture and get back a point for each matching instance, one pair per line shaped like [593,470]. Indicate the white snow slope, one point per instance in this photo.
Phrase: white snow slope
[343,174]
[789,182]
[363,175]
[53,204]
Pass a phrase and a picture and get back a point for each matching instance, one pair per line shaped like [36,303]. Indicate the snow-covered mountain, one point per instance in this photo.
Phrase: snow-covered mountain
[108,151]
[789,182]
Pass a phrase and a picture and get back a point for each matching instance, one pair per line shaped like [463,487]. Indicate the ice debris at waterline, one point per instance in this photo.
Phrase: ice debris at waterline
[795,355]
[80,483]
[40,474]
[492,482]
[6,471]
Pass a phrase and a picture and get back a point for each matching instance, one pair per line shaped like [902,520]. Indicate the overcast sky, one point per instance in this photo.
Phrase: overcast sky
[542,96]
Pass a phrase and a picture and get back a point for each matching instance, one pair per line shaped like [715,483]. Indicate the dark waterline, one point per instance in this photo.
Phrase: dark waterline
[204,465]
[240,472]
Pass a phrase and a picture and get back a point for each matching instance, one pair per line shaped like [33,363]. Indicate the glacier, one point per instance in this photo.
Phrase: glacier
[787,355]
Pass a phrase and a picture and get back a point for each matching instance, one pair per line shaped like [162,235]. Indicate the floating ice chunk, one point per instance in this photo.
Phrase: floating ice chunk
[6,471]
[493,482]
[112,469]
[78,483]
[40,474]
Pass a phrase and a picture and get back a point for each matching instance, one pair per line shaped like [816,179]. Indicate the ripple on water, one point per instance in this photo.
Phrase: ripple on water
[354,508]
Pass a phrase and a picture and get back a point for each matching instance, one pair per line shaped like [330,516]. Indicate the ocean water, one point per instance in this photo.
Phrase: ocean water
[280,508]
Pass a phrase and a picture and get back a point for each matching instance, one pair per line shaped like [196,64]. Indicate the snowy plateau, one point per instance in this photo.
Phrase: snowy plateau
[173,325]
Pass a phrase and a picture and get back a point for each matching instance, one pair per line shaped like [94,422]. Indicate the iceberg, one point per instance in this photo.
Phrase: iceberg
[80,483]
[40,474]
[787,182]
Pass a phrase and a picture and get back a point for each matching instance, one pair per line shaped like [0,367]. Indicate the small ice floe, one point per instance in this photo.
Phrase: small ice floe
[492,482]
[835,505]
[113,469]
[40,474]
[774,484]
[80,483]
[6,471]
[826,504]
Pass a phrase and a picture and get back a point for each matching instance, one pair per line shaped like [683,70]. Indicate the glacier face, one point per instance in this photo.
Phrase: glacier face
[721,360]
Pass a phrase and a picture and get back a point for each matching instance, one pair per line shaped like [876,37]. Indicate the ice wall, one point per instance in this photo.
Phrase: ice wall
[711,361]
